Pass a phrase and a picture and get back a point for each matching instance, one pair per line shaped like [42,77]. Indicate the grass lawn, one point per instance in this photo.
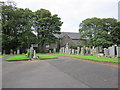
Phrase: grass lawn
[1,56]
[17,57]
[95,58]
[23,57]
[41,56]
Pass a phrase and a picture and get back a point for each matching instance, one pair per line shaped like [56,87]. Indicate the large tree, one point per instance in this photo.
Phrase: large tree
[97,31]
[15,23]
[115,33]
[19,24]
[46,25]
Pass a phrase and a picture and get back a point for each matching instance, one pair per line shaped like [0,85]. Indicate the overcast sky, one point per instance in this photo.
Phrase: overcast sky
[73,12]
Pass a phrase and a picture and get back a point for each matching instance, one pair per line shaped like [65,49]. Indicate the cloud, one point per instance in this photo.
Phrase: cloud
[73,12]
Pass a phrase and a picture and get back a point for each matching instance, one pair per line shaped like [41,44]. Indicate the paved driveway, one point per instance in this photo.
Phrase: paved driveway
[58,73]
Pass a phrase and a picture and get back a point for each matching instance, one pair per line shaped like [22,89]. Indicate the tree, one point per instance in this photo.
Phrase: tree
[26,39]
[115,33]
[97,31]
[19,24]
[46,25]
[16,23]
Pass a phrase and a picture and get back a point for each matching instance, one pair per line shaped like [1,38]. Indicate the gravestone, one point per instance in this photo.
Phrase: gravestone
[14,52]
[78,50]
[112,51]
[54,50]
[50,51]
[11,51]
[63,50]
[67,49]
[70,51]
[101,49]
[34,54]
[0,53]
[83,51]
[18,51]
[91,51]
[31,52]
[106,52]
[87,51]
[73,51]
[97,50]
[118,52]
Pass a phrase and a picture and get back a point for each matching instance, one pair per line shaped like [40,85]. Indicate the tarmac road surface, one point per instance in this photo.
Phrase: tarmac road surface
[64,72]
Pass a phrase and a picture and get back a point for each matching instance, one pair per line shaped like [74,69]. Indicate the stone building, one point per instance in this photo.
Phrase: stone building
[73,39]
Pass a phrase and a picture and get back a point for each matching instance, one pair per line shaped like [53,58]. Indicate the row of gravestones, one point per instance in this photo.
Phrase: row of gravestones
[32,52]
[83,51]
[113,51]
[11,52]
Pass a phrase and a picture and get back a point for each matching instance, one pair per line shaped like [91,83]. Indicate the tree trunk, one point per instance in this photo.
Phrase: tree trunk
[41,48]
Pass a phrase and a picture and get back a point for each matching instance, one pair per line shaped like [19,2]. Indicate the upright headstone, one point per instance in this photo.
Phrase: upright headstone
[34,54]
[91,51]
[118,52]
[78,50]
[18,51]
[67,49]
[106,52]
[97,50]
[14,52]
[73,51]
[11,51]
[83,51]
[87,51]
[112,51]
[54,50]
[70,51]
[101,49]
[50,51]
[31,52]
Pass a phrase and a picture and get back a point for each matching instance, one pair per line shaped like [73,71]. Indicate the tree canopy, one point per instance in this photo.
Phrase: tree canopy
[99,32]
[19,25]
[46,25]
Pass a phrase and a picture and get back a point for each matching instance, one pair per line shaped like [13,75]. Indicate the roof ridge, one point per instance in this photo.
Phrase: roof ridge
[69,32]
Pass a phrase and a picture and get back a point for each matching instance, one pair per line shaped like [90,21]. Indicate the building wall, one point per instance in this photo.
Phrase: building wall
[72,42]
[66,39]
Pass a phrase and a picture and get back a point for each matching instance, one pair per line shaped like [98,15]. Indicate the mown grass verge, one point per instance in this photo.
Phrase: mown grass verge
[17,57]
[24,57]
[94,58]
[43,56]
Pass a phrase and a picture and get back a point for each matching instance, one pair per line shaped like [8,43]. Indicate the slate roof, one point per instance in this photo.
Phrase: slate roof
[72,35]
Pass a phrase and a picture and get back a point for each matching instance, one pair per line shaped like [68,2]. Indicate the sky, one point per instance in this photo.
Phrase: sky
[73,12]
